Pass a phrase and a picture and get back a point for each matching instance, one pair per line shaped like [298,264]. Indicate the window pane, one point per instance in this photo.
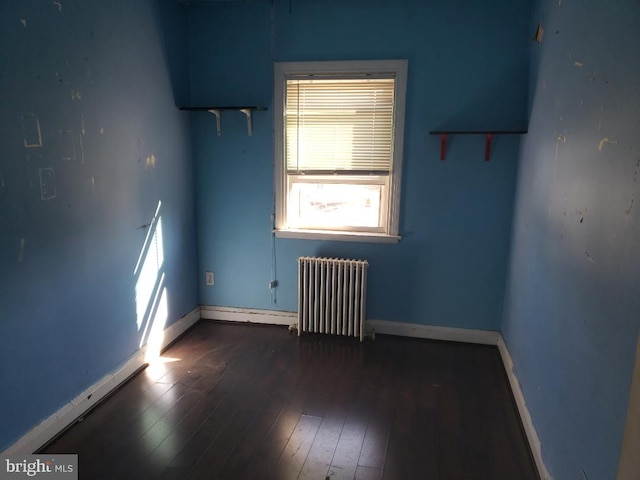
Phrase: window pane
[334,205]
[339,124]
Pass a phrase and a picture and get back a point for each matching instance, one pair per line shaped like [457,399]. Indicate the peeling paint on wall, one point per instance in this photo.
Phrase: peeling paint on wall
[537,37]
[578,64]
[47,183]
[83,132]
[81,143]
[605,141]
[581,214]
[586,253]
[76,94]
[31,130]
[23,21]
[61,80]
[150,161]
[21,246]
[67,145]
[58,5]
[559,139]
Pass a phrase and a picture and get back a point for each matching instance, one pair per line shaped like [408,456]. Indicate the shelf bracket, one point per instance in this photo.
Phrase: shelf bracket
[443,146]
[487,148]
[216,112]
[488,133]
[247,112]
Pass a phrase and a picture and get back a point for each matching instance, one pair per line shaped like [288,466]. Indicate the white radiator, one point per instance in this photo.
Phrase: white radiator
[332,296]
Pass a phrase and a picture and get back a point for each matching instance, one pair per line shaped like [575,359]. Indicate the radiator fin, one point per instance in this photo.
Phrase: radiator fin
[332,296]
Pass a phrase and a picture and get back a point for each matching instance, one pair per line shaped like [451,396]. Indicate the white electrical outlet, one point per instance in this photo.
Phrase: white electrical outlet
[209,279]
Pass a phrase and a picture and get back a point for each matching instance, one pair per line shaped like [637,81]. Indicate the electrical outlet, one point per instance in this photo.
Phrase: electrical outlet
[209,278]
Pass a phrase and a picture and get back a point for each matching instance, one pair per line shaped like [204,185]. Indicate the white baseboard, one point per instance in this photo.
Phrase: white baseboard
[56,423]
[527,423]
[232,314]
[483,337]
[277,317]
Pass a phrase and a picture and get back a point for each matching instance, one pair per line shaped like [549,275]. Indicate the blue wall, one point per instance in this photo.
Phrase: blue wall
[90,142]
[571,319]
[468,69]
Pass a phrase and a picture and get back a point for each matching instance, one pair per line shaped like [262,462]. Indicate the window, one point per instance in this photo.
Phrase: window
[338,139]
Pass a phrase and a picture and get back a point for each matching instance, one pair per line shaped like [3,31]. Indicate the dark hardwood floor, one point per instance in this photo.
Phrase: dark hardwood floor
[238,401]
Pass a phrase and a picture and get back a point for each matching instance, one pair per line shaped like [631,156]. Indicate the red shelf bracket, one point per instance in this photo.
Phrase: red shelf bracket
[487,148]
[443,146]
[489,138]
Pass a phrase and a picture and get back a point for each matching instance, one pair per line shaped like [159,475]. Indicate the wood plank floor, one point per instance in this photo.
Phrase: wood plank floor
[237,401]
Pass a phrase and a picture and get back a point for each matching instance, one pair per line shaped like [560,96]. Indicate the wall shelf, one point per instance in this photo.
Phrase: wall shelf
[489,134]
[217,111]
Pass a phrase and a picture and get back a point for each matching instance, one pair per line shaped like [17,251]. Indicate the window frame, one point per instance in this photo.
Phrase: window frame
[286,70]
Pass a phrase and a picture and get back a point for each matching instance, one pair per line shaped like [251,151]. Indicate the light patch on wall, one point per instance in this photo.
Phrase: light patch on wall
[1,180]
[58,5]
[150,290]
[578,64]
[47,183]
[156,332]
[604,141]
[150,161]
[31,130]
[76,94]
[23,21]
[21,246]
[67,145]
[102,131]
[149,271]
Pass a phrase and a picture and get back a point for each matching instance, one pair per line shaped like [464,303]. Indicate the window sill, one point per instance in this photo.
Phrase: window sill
[338,236]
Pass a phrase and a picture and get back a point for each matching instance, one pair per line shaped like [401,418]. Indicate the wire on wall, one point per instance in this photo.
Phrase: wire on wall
[274,282]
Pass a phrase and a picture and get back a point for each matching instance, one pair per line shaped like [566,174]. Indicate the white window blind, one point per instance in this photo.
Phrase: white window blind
[339,125]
